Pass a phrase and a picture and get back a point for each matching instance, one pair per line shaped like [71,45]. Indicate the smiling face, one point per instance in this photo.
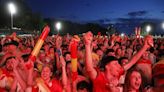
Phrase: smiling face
[124,61]
[135,80]
[46,47]
[118,52]
[11,47]
[100,53]
[46,73]
[9,65]
[68,57]
[114,68]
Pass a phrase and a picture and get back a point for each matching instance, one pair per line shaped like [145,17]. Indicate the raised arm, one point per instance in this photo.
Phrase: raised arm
[14,85]
[58,44]
[88,53]
[30,75]
[64,74]
[17,75]
[62,62]
[148,41]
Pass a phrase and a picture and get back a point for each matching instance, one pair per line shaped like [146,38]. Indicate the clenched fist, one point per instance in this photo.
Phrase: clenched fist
[148,41]
[88,37]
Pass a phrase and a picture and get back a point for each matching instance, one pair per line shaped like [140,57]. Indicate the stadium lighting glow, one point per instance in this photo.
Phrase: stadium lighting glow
[58,26]
[122,34]
[12,10]
[163,25]
[148,28]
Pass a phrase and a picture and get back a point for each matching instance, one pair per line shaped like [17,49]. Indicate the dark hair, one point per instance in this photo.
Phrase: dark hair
[25,57]
[138,47]
[106,60]
[4,64]
[82,85]
[0,48]
[120,59]
[100,45]
[97,49]
[66,54]
[68,62]
[117,43]
[9,58]
[127,79]
[151,49]
[109,50]
[64,46]
[11,43]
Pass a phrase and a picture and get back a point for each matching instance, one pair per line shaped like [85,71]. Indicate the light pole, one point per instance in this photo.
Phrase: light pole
[58,26]
[12,10]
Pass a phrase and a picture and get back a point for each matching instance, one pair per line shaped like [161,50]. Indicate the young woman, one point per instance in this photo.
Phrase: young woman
[133,81]
[46,83]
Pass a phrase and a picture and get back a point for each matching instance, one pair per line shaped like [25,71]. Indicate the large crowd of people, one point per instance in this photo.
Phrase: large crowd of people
[104,64]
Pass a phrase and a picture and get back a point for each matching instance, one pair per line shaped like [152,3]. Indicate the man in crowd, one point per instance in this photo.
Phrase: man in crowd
[107,80]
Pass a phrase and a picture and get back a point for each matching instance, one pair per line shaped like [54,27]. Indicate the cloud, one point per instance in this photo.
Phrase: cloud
[71,16]
[130,20]
[123,20]
[137,13]
[135,20]
[105,20]
[101,21]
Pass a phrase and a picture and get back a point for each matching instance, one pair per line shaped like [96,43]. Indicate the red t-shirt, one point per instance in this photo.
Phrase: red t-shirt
[100,84]
[56,87]
[142,61]
[2,90]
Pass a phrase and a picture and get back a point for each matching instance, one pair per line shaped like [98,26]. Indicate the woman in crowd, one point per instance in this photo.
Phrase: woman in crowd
[102,68]
[133,81]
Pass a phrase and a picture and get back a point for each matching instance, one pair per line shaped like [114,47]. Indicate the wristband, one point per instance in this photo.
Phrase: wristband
[59,52]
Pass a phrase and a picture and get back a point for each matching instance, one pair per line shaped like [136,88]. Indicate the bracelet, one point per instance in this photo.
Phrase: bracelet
[59,52]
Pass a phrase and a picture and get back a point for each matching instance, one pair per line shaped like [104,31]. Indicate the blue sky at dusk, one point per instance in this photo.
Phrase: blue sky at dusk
[90,10]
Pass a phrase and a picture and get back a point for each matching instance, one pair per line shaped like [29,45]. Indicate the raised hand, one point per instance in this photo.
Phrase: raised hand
[94,43]
[137,32]
[58,42]
[148,41]
[62,61]
[113,39]
[15,63]
[88,37]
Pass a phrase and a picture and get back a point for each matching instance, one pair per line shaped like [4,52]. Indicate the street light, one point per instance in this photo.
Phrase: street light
[122,34]
[148,28]
[163,25]
[12,10]
[58,26]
